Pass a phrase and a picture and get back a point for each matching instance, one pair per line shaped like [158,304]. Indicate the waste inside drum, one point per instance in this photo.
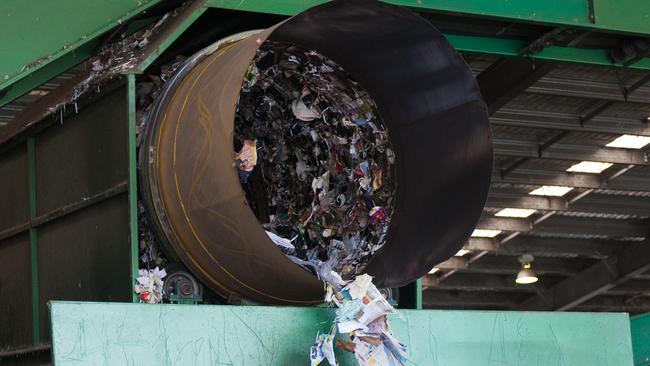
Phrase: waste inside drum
[314,159]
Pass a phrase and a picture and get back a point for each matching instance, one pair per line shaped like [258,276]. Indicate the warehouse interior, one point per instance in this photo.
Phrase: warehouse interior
[569,108]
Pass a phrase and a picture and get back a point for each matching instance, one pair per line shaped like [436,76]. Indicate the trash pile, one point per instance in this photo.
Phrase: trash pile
[316,164]
[149,286]
[315,161]
[361,314]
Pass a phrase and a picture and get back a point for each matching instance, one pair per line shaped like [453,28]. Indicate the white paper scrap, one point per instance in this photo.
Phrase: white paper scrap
[280,241]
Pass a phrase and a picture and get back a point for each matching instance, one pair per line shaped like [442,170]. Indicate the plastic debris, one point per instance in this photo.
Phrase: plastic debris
[149,286]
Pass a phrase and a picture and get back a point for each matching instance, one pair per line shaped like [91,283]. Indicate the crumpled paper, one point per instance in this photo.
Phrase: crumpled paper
[362,315]
[149,286]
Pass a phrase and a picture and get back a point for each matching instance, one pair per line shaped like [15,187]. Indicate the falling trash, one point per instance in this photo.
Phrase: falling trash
[315,161]
[361,316]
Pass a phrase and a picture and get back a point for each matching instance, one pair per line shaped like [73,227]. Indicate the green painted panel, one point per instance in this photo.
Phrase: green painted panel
[623,15]
[640,327]
[34,33]
[544,11]
[511,47]
[570,12]
[132,163]
[140,334]
[630,16]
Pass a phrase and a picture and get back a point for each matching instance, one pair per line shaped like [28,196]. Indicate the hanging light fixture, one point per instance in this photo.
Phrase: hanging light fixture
[526,275]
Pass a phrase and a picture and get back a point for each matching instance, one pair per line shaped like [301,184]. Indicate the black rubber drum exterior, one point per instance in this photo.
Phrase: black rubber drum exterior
[426,96]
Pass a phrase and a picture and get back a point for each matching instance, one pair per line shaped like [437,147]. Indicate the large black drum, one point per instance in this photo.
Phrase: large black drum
[427,98]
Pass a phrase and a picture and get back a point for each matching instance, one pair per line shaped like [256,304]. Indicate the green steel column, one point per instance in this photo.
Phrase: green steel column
[33,243]
[133,184]
[418,294]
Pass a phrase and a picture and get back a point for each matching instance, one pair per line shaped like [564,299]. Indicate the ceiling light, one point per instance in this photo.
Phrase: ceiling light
[630,142]
[589,167]
[555,191]
[462,252]
[515,212]
[526,275]
[482,233]
[434,270]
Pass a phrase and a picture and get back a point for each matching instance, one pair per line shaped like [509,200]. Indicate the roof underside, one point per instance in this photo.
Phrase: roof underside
[565,116]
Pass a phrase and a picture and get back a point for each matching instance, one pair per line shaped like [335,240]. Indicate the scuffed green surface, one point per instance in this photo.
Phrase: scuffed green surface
[139,334]
[623,15]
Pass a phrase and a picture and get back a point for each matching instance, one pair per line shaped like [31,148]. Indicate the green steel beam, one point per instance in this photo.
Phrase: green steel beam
[418,294]
[34,34]
[46,73]
[59,66]
[511,47]
[567,12]
[33,243]
[556,12]
[133,183]
[627,16]
[169,34]
[622,15]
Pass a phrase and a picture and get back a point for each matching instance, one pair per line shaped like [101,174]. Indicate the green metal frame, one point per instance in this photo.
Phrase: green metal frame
[46,73]
[171,34]
[46,49]
[512,47]
[184,20]
[133,178]
[59,66]
[627,16]
[43,39]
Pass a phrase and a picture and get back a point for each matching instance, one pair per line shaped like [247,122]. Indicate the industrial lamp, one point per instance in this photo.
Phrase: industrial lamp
[526,275]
